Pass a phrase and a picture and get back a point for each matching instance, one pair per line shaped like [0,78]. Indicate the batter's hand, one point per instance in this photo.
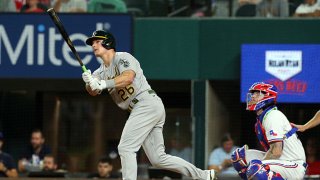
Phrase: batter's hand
[95,84]
[87,76]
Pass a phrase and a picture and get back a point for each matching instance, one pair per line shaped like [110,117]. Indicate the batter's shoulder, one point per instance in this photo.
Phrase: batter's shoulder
[123,56]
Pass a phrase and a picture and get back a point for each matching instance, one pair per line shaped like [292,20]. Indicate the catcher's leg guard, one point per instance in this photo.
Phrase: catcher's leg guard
[259,171]
[239,162]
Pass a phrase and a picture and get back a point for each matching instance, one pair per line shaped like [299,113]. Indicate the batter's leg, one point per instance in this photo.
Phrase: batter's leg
[142,119]
[155,150]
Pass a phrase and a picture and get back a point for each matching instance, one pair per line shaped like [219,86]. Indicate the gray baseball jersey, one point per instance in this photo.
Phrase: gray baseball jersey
[145,123]
[123,61]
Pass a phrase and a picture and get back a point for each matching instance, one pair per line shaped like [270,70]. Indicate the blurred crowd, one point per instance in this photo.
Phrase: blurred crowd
[172,8]
[39,161]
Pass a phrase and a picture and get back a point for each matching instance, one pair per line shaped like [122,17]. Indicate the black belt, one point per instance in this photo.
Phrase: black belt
[135,100]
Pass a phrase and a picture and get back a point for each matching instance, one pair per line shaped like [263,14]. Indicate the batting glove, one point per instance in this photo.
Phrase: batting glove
[87,76]
[95,84]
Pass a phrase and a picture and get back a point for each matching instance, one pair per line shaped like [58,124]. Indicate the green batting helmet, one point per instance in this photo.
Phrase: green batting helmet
[108,42]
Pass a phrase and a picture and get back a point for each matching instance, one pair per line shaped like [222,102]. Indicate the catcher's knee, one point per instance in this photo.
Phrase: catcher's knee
[259,171]
[239,162]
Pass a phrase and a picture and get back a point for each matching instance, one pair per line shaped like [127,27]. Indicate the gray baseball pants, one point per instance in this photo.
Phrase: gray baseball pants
[144,127]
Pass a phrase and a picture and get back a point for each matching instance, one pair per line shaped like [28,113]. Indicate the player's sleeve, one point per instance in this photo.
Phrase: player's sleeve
[97,73]
[214,158]
[274,125]
[127,62]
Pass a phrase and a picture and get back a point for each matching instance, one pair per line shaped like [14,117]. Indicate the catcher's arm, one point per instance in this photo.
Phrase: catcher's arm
[275,151]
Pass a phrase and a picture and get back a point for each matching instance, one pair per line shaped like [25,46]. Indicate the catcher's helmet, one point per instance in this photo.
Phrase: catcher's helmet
[108,42]
[268,93]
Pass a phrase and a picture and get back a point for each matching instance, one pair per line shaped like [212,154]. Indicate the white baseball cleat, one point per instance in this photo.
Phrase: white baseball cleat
[212,175]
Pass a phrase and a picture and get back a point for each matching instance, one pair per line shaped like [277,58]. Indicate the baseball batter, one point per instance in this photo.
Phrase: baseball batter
[284,157]
[123,77]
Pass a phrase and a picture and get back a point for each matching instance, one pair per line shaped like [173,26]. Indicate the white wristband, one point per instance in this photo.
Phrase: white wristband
[107,84]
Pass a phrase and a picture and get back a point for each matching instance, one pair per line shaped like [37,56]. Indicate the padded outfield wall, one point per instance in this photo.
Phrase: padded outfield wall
[210,48]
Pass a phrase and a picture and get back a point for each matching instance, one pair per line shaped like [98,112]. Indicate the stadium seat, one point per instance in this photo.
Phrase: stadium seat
[109,6]
[248,10]
[136,7]
[292,8]
[158,8]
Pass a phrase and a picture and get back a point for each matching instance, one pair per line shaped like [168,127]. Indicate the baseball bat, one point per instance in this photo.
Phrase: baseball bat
[65,36]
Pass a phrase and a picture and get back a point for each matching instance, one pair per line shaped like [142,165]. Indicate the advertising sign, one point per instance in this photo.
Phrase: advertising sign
[32,47]
[292,68]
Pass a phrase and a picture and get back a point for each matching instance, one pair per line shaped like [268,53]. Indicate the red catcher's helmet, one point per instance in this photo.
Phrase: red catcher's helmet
[269,93]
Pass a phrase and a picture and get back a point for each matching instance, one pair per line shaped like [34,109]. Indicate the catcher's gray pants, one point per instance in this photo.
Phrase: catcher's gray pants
[144,127]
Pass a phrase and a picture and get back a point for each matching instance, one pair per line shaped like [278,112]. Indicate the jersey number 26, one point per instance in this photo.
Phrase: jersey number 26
[125,92]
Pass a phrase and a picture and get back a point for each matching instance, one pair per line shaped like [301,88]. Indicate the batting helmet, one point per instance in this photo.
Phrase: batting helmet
[268,93]
[108,42]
